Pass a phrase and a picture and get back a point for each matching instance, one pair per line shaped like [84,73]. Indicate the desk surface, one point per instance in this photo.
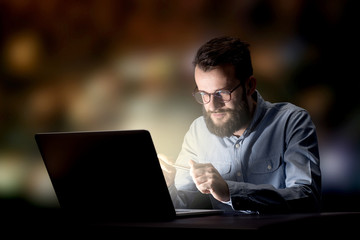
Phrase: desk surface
[60,225]
[320,222]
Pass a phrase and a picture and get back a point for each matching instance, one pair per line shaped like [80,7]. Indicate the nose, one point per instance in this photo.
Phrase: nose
[214,104]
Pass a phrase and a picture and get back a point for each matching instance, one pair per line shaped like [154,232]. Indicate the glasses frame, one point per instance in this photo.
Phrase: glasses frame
[215,94]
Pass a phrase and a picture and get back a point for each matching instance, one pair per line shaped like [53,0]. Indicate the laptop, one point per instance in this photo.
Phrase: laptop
[109,176]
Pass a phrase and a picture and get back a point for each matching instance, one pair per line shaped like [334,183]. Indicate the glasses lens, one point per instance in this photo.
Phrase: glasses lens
[201,97]
[223,95]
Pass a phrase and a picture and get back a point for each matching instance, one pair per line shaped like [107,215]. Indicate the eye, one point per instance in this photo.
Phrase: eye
[218,93]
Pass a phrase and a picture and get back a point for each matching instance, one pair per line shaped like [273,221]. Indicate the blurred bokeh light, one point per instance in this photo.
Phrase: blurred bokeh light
[127,64]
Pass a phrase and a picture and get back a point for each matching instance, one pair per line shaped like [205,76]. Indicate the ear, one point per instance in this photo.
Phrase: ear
[250,85]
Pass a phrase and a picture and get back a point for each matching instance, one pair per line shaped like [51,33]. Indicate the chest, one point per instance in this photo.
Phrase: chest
[257,158]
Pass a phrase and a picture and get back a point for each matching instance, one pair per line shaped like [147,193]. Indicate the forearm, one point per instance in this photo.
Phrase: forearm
[265,198]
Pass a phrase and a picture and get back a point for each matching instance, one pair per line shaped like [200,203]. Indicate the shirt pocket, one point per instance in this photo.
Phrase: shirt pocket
[222,167]
[264,164]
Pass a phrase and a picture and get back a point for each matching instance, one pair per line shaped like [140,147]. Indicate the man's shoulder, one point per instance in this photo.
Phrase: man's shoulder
[285,107]
[198,134]
[198,124]
[286,112]
[198,129]
[199,121]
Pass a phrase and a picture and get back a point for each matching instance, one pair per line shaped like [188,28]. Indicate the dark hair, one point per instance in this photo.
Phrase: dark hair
[223,51]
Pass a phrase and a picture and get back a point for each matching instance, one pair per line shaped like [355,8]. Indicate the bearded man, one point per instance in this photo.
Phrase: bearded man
[245,154]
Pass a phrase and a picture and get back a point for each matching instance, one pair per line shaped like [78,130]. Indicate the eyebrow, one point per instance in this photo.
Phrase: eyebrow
[219,89]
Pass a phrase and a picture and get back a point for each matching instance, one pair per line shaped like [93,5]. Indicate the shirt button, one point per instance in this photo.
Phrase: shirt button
[269,167]
[237,145]
[238,174]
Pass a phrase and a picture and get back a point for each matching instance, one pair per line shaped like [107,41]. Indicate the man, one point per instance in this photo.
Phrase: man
[244,154]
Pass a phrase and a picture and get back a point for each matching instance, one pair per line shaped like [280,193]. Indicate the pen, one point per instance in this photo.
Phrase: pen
[164,159]
[180,167]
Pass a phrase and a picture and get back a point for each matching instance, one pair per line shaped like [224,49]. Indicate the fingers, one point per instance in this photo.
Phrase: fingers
[203,184]
[192,163]
[165,163]
[209,181]
[199,169]
[168,170]
[163,158]
[203,176]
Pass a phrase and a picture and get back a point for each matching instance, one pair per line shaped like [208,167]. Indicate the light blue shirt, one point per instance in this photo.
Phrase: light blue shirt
[273,167]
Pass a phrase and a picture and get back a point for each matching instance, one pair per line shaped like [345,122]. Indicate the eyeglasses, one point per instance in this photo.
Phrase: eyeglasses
[224,96]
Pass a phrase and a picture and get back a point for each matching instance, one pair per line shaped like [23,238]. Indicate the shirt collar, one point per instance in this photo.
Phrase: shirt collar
[259,113]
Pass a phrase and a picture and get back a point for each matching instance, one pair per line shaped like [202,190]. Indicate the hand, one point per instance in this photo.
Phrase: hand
[209,181]
[168,170]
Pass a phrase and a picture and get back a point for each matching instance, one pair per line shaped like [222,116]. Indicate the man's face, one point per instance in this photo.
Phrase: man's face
[223,118]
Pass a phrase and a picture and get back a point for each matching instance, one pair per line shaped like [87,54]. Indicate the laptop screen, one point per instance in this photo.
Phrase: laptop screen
[107,174]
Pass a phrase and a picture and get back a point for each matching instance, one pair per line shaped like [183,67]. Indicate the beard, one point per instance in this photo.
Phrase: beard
[239,118]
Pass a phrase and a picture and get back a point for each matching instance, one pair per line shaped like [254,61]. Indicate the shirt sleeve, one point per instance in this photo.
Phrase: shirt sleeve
[184,193]
[302,171]
[301,182]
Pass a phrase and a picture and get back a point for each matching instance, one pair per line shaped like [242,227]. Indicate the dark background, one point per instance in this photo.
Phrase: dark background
[109,64]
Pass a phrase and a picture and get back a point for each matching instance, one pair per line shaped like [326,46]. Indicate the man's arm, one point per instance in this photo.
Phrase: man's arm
[301,186]
[302,192]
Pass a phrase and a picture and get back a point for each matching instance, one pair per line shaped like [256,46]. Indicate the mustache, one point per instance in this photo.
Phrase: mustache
[221,111]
